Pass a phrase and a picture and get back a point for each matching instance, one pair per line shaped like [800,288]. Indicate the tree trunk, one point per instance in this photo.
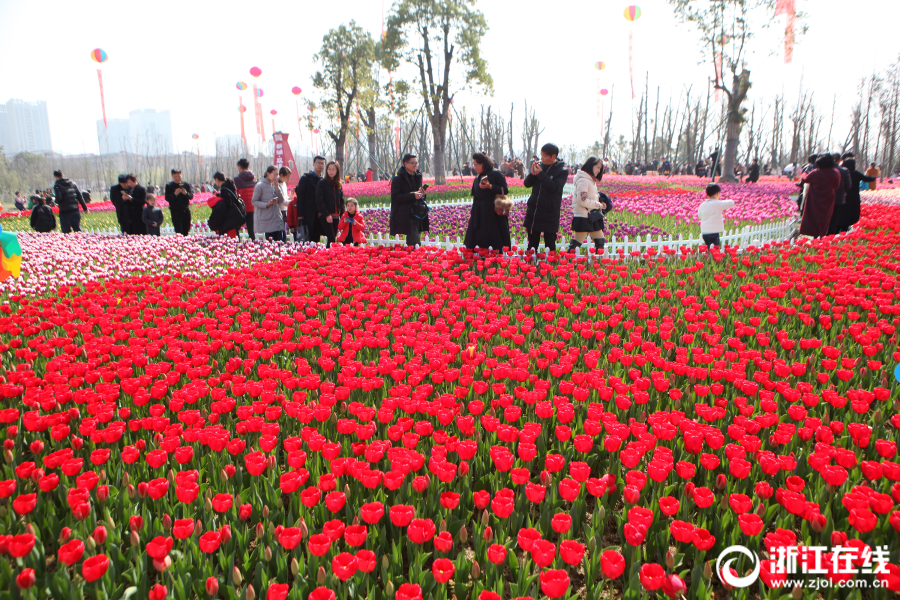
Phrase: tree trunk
[740,87]
[439,137]
[370,125]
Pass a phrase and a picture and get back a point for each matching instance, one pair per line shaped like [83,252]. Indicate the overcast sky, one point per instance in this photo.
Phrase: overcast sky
[186,56]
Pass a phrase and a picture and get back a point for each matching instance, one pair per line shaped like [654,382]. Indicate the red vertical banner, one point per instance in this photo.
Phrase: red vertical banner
[787,8]
[257,110]
[241,109]
[102,100]
[299,122]
[631,61]
[283,157]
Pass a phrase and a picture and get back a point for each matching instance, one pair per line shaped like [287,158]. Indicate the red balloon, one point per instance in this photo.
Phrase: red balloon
[296,90]
[256,71]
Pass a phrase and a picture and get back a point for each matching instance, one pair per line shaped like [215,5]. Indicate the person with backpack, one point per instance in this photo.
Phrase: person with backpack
[228,212]
[68,198]
[245,183]
[42,218]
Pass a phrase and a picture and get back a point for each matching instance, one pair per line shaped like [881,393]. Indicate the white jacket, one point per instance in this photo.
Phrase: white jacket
[586,197]
[710,213]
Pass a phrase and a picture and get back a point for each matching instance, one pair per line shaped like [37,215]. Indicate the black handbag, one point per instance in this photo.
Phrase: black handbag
[595,216]
[420,209]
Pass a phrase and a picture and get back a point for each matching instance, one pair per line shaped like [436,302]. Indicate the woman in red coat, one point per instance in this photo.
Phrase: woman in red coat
[819,198]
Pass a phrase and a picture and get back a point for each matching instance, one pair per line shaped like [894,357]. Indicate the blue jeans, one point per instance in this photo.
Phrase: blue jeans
[70,221]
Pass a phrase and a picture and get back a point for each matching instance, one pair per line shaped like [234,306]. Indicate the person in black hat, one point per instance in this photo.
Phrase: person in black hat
[179,196]
[122,212]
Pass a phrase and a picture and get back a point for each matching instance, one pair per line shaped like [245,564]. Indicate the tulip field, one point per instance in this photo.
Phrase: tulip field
[196,418]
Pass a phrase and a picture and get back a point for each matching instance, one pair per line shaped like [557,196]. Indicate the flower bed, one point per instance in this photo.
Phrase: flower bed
[377,423]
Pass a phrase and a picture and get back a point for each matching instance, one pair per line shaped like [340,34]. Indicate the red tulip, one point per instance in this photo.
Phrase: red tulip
[635,534]
[158,592]
[401,515]
[159,547]
[571,552]
[543,553]
[20,545]
[496,553]
[554,583]
[290,537]
[277,591]
[319,544]
[408,591]
[673,586]
[652,576]
[612,563]
[321,593]
[183,528]
[344,565]
[355,535]
[443,570]
[366,560]
[372,512]
[25,579]
[561,522]
[209,542]
[94,568]
[421,531]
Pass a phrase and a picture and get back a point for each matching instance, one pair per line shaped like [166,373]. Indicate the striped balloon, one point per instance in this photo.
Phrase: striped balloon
[259,93]
[241,85]
[599,65]
[633,13]
[99,55]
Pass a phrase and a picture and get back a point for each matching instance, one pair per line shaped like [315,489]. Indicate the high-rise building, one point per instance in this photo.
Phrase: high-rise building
[145,131]
[114,137]
[151,130]
[24,127]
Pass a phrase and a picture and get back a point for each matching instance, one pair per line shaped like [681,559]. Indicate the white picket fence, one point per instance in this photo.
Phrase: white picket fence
[743,238]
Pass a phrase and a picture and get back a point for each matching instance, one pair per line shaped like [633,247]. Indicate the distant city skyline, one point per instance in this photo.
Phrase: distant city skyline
[24,127]
[146,130]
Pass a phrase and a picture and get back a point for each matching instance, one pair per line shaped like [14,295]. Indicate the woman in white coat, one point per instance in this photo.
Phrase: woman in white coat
[588,206]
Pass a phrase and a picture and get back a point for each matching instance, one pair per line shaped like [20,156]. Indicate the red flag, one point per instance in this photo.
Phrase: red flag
[102,100]
[788,8]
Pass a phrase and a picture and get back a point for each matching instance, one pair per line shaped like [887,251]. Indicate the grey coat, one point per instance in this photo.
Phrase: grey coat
[266,219]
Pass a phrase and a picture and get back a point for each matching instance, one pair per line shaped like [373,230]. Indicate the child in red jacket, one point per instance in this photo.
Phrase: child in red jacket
[352,225]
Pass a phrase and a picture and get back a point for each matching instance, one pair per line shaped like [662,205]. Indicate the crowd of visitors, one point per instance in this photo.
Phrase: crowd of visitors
[828,200]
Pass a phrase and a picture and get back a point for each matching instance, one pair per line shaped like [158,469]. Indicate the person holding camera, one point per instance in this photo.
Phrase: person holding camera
[179,196]
[135,197]
[122,209]
[409,213]
[589,206]
[487,228]
[547,178]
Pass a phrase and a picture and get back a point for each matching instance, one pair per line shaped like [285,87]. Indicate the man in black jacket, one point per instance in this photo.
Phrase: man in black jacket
[840,198]
[122,214]
[135,196]
[307,214]
[42,218]
[406,189]
[179,196]
[68,197]
[546,180]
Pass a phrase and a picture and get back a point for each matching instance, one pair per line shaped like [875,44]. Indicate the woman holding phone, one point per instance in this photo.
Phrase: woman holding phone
[488,227]
[267,216]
